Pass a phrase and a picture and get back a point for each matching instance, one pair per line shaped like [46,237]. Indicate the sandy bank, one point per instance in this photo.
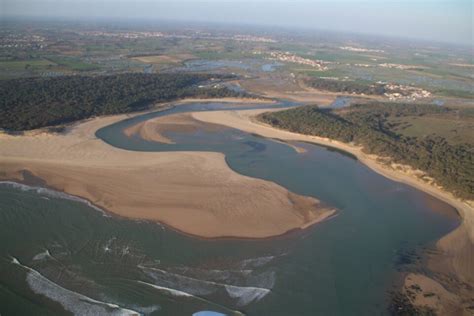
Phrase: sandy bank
[458,245]
[156,129]
[236,101]
[424,292]
[194,192]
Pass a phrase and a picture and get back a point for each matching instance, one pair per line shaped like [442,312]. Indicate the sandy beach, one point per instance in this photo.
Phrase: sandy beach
[193,192]
[457,247]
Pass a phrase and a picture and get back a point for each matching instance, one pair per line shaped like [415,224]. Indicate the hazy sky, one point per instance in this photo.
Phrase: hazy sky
[444,20]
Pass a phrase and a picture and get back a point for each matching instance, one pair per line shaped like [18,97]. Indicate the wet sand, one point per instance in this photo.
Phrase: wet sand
[193,192]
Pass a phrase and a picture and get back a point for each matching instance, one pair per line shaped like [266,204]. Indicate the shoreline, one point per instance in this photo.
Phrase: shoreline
[457,246]
[220,202]
[108,213]
[157,107]
[367,159]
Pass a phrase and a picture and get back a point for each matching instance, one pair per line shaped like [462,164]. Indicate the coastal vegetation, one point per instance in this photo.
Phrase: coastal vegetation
[372,126]
[351,87]
[30,103]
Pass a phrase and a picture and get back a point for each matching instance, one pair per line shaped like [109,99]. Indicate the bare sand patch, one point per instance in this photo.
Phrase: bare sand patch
[155,129]
[194,192]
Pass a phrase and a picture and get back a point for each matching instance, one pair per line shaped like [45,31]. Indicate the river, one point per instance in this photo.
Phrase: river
[61,248]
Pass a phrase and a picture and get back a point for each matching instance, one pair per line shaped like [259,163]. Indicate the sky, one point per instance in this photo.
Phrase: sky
[439,20]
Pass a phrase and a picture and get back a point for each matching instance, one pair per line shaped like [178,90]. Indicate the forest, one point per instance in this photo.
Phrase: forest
[451,165]
[351,87]
[30,103]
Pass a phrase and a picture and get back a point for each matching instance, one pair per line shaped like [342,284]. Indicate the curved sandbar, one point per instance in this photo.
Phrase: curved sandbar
[458,246]
[194,192]
[155,129]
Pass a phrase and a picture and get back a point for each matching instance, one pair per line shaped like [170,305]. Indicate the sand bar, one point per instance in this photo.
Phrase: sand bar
[194,192]
[156,129]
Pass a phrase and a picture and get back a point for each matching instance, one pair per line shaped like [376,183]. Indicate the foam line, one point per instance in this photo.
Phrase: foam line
[72,301]
[244,294]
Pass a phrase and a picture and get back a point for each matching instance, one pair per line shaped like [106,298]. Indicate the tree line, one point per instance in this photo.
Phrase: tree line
[350,87]
[452,165]
[30,103]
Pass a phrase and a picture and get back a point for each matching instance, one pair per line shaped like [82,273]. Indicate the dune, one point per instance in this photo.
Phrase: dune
[193,192]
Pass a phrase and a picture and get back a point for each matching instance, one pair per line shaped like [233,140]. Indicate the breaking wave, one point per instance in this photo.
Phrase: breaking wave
[232,276]
[178,293]
[255,262]
[73,302]
[42,255]
[246,295]
[189,285]
[168,290]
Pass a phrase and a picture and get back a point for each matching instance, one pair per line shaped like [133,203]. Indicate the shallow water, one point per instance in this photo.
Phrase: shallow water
[344,266]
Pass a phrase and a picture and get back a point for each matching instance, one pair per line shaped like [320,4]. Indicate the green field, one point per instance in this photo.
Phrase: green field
[21,65]
[454,129]
[74,64]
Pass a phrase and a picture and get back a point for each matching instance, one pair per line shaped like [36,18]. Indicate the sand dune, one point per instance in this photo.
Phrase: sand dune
[194,192]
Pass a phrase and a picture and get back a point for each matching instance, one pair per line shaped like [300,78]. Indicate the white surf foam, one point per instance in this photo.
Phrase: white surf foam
[244,294]
[178,293]
[265,279]
[52,194]
[183,283]
[147,310]
[42,255]
[255,262]
[168,290]
[76,303]
[216,275]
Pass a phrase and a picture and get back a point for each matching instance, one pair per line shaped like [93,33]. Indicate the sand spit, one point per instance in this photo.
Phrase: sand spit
[155,129]
[457,247]
[194,192]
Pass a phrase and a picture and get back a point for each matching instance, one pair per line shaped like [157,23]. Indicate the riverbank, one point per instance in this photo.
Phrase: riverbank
[457,247]
[193,192]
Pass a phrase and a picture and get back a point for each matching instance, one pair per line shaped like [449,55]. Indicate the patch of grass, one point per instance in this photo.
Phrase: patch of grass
[455,130]
[21,65]
[323,73]
[455,93]
[164,59]
[73,64]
